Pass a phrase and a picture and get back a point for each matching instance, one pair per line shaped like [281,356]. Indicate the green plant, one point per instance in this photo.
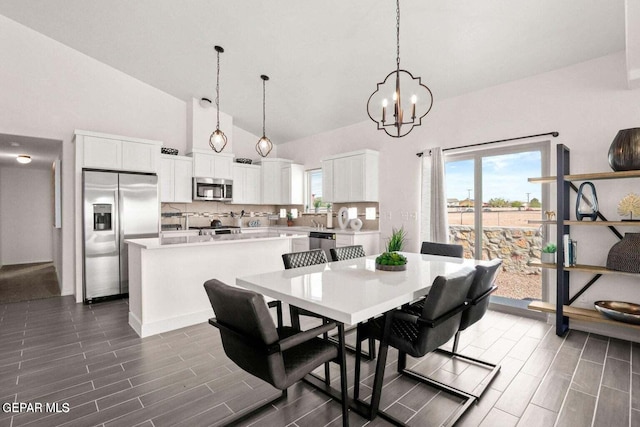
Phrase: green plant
[391,258]
[289,216]
[550,248]
[317,202]
[396,240]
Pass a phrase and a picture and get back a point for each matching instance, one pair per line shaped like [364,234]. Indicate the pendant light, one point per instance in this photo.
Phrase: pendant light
[399,85]
[218,140]
[264,145]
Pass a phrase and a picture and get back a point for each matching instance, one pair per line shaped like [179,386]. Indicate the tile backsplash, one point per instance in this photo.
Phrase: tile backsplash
[200,214]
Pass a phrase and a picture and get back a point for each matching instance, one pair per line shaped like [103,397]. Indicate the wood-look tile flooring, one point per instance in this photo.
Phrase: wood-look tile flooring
[87,357]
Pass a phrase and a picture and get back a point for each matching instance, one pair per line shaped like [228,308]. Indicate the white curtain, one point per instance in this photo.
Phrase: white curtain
[434,224]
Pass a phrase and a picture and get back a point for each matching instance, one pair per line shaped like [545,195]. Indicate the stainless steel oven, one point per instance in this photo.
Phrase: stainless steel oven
[213,189]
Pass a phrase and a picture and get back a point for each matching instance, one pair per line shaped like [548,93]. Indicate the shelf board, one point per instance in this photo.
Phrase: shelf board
[593,269]
[588,176]
[596,223]
[577,313]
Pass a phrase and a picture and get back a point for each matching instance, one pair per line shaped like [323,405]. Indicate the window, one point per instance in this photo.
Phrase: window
[313,190]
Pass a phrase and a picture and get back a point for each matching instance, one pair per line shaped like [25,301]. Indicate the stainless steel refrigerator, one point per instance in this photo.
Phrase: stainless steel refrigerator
[117,206]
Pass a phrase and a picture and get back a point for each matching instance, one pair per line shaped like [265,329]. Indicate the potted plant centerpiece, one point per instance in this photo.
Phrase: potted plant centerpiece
[289,219]
[391,260]
[549,254]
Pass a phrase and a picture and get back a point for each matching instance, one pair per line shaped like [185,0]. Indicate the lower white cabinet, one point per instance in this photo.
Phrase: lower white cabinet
[300,245]
[370,242]
[246,184]
[175,179]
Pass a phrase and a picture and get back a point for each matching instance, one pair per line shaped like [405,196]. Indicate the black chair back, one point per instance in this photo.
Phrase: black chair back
[248,329]
[442,249]
[440,317]
[304,259]
[482,286]
[347,252]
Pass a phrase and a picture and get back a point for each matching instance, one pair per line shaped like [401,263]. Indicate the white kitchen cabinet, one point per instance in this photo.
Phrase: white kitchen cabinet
[246,184]
[176,179]
[271,176]
[292,184]
[351,177]
[300,244]
[113,152]
[212,165]
[370,242]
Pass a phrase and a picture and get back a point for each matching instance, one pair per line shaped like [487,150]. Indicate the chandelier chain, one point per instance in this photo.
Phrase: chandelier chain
[218,93]
[398,34]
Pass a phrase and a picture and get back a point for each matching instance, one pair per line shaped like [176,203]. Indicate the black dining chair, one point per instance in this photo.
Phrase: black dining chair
[280,356]
[482,287]
[419,334]
[347,252]
[442,249]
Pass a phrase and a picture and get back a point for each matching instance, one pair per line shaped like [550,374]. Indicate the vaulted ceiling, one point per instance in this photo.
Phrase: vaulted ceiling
[325,57]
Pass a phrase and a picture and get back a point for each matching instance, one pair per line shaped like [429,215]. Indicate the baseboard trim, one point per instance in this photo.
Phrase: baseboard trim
[165,325]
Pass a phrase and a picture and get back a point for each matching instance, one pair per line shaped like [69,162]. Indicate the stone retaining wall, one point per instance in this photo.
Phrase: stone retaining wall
[516,246]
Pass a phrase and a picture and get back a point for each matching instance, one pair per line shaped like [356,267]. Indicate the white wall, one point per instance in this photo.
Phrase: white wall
[587,103]
[26,208]
[48,90]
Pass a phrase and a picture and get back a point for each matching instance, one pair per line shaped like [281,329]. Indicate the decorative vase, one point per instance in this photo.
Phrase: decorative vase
[356,224]
[624,152]
[587,202]
[625,255]
[548,257]
[343,218]
[329,218]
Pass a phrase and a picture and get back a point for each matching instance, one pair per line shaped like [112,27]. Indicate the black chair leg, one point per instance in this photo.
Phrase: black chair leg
[342,354]
[456,342]
[295,317]
[402,361]
[278,306]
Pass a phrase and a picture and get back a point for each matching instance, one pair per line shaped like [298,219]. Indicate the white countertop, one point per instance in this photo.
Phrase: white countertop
[220,239]
[306,229]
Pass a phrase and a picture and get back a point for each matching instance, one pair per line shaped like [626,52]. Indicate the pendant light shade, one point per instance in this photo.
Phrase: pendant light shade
[264,145]
[218,140]
[407,99]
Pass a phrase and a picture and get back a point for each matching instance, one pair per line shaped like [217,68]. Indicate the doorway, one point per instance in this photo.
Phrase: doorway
[494,212]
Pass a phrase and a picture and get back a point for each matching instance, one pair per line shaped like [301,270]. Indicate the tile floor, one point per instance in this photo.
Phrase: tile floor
[87,357]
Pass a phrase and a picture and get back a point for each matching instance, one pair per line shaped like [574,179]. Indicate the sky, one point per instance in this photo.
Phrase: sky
[503,176]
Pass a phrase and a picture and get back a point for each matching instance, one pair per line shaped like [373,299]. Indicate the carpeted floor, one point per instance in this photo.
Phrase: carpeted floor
[25,282]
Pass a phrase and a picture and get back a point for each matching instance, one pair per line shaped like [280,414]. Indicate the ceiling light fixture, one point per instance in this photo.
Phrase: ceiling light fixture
[264,145]
[218,140]
[24,159]
[421,98]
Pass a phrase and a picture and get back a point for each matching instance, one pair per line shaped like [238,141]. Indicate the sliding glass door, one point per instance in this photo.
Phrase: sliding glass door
[493,210]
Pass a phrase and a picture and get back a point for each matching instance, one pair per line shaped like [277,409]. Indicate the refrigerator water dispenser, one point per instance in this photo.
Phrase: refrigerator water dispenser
[102,217]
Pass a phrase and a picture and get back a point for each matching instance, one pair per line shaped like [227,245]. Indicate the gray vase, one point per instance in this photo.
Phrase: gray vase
[624,152]
[625,255]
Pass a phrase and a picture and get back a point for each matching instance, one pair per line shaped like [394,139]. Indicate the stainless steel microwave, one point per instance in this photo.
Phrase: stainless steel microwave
[213,189]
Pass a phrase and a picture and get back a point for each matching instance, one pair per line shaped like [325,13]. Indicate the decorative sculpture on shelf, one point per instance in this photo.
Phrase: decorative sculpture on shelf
[587,202]
[630,205]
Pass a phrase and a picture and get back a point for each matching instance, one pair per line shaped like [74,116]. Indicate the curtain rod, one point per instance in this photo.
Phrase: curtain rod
[554,134]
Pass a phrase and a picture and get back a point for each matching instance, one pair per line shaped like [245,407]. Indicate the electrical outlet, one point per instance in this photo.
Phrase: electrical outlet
[405,216]
[414,216]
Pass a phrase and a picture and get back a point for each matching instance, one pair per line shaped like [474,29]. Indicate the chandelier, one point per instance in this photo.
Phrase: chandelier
[218,140]
[264,145]
[407,93]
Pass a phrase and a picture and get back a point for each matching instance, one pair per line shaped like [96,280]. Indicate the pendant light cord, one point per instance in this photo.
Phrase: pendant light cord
[218,93]
[397,34]
[264,85]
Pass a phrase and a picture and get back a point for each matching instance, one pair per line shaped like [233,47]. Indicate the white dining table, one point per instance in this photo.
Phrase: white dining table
[353,291]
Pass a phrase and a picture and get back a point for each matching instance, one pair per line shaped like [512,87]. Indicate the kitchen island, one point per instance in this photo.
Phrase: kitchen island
[166,275]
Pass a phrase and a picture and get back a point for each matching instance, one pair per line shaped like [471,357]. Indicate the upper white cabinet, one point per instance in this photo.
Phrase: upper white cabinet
[207,164]
[175,179]
[271,172]
[113,152]
[351,177]
[246,184]
[292,184]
